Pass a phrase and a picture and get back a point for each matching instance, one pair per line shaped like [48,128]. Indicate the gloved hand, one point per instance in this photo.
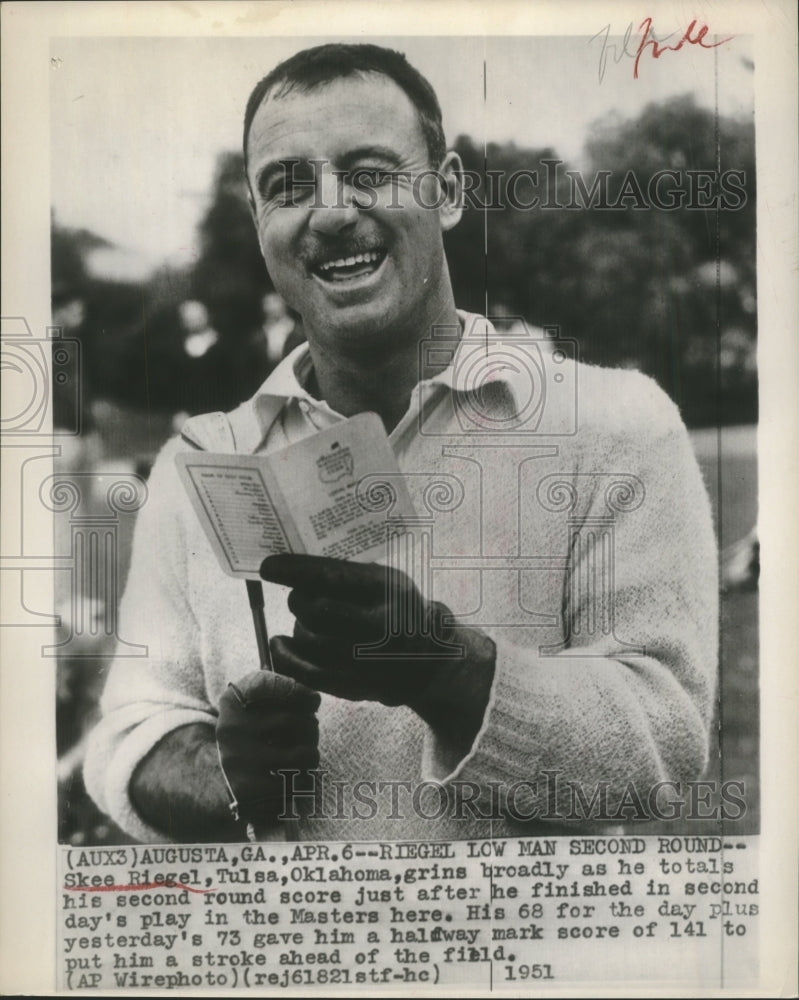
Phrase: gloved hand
[434,666]
[266,723]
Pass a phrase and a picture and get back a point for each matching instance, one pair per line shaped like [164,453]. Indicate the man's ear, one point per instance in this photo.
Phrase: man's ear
[451,174]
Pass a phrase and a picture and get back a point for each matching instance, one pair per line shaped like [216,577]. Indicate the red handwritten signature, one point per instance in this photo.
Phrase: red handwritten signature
[141,887]
[692,36]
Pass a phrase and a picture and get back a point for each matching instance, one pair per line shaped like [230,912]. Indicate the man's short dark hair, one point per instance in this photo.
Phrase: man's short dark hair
[323,64]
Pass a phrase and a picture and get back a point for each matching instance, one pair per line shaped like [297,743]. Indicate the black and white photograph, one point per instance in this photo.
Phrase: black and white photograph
[397,423]
[578,312]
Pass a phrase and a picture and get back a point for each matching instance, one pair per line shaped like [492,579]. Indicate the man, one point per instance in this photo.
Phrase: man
[574,593]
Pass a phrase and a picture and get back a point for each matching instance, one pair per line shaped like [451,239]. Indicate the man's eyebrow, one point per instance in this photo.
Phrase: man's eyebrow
[371,152]
[277,168]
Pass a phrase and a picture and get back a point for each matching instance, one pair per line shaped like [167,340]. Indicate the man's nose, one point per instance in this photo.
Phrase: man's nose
[334,207]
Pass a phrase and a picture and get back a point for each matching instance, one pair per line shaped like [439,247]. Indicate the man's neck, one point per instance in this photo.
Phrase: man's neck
[381,382]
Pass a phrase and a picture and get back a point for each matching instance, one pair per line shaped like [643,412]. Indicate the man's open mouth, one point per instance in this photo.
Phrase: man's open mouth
[348,268]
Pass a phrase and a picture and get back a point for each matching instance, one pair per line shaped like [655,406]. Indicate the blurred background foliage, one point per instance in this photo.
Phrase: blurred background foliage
[672,293]
[669,292]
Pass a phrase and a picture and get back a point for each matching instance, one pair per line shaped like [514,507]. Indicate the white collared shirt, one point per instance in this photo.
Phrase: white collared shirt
[287,412]
[583,549]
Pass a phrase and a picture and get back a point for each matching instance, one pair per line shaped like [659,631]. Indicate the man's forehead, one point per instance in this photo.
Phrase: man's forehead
[352,106]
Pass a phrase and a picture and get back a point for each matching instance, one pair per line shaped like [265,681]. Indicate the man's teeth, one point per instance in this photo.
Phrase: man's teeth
[362,258]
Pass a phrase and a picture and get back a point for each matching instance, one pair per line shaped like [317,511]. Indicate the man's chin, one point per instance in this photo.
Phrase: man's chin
[366,326]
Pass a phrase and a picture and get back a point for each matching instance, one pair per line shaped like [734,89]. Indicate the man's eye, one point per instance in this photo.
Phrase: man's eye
[290,187]
[287,191]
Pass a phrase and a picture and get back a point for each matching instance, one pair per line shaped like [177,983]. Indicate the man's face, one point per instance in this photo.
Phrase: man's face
[339,205]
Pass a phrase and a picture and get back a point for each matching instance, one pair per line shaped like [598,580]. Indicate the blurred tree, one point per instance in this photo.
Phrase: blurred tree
[669,291]
[230,279]
[694,269]
[229,276]
[502,252]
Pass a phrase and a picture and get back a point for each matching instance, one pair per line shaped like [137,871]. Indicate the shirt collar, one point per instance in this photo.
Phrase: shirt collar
[291,375]
[289,378]
[476,334]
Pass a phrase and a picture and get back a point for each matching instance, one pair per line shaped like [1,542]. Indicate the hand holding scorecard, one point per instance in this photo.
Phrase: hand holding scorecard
[362,632]
[366,633]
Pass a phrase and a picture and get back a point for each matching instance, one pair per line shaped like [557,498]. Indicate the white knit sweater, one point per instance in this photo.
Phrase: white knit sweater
[616,689]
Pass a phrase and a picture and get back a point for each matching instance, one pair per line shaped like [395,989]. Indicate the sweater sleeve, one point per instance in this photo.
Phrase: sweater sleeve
[626,702]
[148,696]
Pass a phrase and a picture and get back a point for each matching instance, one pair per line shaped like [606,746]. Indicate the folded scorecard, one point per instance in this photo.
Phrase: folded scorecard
[311,497]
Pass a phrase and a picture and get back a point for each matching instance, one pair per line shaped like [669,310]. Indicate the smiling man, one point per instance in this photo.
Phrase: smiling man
[339,174]
[575,573]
